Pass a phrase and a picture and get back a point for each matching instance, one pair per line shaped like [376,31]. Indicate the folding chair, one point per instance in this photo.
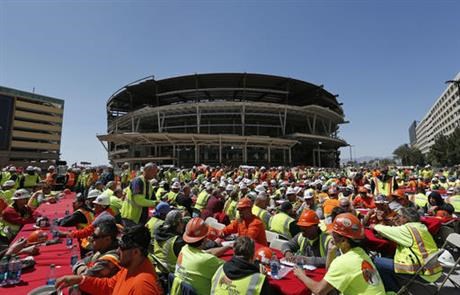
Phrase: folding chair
[185,288]
[210,220]
[271,236]
[454,240]
[277,244]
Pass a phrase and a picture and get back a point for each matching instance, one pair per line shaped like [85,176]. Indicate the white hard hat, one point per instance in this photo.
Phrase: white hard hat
[21,194]
[102,199]
[12,169]
[229,187]
[290,191]
[243,185]
[93,194]
[308,194]
[51,167]
[176,185]
[9,183]
[221,184]
[30,168]
[260,189]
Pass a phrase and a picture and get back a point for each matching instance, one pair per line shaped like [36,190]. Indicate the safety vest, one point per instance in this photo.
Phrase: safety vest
[202,200]
[420,200]
[70,179]
[383,188]
[85,243]
[172,197]
[280,224]
[30,180]
[50,178]
[164,251]
[152,224]
[455,201]
[408,260]
[8,195]
[230,208]
[249,285]
[8,230]
[130,210]
[262,214]
[159,193]
[323,241]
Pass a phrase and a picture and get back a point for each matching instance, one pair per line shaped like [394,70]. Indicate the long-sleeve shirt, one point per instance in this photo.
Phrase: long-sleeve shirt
[253,228]
[11,215]
[143,281]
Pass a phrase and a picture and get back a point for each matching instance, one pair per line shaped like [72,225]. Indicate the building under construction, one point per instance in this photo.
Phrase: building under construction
[224,119]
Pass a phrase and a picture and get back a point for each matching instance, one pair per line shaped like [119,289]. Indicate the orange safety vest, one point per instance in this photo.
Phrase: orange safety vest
[70,179]
[50,178]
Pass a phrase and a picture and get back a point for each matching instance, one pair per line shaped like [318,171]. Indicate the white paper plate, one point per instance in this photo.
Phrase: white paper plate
[228,243]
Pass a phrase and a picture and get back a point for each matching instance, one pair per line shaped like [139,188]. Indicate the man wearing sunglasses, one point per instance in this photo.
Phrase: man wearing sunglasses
[104,261]
[137,275]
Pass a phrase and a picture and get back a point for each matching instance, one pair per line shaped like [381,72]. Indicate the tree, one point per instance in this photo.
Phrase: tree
[409,155]
[446,149]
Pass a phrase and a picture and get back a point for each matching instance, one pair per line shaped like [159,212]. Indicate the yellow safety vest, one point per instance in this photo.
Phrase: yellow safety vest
[323,241]
[230,208]
[164,251]
[455,201]
[202,200]
[8,230]
[130,210]
[30,180]
[249,285]
[408,260]
[172,197]
[262,214]
[383,188]
[420,200]
[280,224]
[152,224]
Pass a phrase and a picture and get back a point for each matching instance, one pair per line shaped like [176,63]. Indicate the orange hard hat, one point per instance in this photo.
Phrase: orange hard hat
[213,233]
[196,230]
[244,203]
[264,255]
[399,193]
[308,218]
[67,191]
[442,214]
[37,236]
[348,225]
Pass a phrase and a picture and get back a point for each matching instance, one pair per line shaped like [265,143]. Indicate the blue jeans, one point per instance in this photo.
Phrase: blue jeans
[386,269]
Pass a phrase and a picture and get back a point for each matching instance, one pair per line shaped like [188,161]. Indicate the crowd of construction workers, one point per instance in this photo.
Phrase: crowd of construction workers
[140,227]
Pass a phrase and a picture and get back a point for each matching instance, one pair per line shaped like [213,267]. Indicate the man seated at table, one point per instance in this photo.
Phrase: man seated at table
[137,275]
[382,214]
[311,245]
[350,273]
[194,265]
[241,275]
[247,224]
[282,222]
[364,199]
[161,210]
[167,240]
[81,215]
[104,261]
[260,208]
[15,216]
[414,245]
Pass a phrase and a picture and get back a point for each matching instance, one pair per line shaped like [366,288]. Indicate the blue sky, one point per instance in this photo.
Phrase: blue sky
[387,60]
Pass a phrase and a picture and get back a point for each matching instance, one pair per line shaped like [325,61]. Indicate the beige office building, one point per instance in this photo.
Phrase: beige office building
[442,118]
[31,127]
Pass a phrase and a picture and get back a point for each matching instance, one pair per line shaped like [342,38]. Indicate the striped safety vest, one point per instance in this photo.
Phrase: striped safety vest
[249,285]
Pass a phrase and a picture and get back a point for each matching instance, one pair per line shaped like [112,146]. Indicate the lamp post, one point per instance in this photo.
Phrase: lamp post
[351,153]
[319,153]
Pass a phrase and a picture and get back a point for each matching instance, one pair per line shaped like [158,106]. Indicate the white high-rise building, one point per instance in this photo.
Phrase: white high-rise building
[442,118]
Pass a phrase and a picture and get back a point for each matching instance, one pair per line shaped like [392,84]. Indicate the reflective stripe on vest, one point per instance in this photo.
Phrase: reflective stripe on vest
[250,285]
[262,214]
[164,251]
[202,200]
[419,249]
[280,224]
[89,218]
[323,239]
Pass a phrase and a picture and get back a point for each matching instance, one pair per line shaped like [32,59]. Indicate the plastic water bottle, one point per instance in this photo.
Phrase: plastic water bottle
[4,271]
[51,281]
[74,256]
[67,211]
[54,226]
[14,270]
[274,267]
[68,243]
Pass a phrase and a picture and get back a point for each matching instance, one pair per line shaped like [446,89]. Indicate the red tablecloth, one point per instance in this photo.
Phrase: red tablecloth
[374,243]
[57,254]
[288,285]
[432,223]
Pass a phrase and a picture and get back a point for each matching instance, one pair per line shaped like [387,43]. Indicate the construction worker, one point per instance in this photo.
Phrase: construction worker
[247,224]
[353,272]
[311,245]
[364,199]
[282,222]
[231,203]
[70,179]
[240,275]
[125,175]
[81,216]
[414,245]
[104,261]
[202,198]
[29,179]
[172,195]
[15,216]
[260,209]
[385,184]
[194,265]
[137,275]
[51,176]
[168,241]
[158,217]
[135,207]
[331,202]
[7,191]
[454,200]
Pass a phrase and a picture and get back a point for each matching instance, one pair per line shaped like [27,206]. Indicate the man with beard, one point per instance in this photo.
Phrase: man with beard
[137,275]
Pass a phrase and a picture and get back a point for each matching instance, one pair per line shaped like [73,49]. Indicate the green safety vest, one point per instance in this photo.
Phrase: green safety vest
[171,197]
[280,224]
[8,230]
[249,285]
[30,180]
[202,200]
[130,210]
[164,251]
[407,260]
[455,201]
[8,195]
[152,224]
[159,192]
[230,208]
[420,200]
[323,241]
[262,214]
